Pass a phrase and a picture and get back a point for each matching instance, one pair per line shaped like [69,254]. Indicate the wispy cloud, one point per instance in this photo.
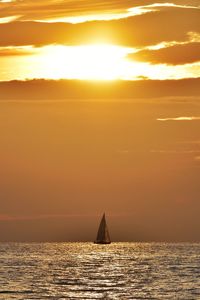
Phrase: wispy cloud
[8,19]
[21,218]
[77,11]
[175,151]
[193,142]
[105,16]
[167,4]
[123,151]
[184,118]
[4,217]
[17,51]
[192,37]
[7,1]
[116,15]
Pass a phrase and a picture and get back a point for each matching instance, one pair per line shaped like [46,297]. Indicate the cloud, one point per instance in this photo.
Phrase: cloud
[8,19]
[17,51]
[4,217]
[131,31]
[45,9]
[9,217]
[179,119]
[75,89]
[112,14]
[173,55]
[24,218]
[178,151]
[193,142]
[78,11]
[193,37]
[123,151]
[7,1]
[184,147]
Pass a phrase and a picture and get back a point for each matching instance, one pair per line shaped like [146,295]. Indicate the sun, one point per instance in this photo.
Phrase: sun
[92,62]
[95,62]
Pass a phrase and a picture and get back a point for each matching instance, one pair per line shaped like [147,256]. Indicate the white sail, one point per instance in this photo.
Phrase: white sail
[103,236]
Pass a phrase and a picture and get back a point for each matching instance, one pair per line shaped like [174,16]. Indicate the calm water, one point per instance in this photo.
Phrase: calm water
[89,271]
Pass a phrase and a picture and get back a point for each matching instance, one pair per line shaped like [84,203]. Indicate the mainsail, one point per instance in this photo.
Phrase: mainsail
[103,236]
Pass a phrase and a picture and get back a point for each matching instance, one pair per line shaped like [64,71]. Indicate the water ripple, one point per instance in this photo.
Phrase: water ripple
[89,271]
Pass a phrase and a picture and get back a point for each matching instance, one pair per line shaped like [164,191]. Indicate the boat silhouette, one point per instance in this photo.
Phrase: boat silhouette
[103,236]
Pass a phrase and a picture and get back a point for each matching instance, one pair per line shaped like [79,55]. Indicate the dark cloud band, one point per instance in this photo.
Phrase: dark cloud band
[76,89]
[174,55]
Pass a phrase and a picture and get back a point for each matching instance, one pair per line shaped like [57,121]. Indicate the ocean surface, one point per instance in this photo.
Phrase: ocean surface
[89,271]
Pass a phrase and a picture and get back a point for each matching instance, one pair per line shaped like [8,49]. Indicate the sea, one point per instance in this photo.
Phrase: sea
[89,271]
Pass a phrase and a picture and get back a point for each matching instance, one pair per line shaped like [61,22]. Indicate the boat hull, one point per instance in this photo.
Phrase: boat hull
[102,242]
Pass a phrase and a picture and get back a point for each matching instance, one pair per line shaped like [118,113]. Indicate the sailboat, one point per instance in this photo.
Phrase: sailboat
[103,236]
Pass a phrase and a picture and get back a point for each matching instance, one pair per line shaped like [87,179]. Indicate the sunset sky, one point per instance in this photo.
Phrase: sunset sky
[99,111]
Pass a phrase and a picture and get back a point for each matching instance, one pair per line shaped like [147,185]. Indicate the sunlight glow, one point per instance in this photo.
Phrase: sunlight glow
[87,62]
[104,62]
[94,62]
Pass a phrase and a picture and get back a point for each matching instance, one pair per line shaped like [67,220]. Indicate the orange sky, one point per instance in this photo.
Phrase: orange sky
[72,149]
